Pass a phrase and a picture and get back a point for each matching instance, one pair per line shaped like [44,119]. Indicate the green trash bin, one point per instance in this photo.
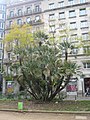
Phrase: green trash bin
[20,105]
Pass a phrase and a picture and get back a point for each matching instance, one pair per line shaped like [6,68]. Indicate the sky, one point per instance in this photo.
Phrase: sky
[2,1]
[10,1]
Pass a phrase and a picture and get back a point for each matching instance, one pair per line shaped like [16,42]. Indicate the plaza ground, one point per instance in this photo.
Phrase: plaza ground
[42,116]
[67,105]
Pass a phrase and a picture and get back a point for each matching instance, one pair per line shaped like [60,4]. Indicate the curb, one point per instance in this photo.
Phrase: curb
[44,111]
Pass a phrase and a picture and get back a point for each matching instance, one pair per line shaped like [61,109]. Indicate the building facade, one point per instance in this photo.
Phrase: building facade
[2,33]
[24,12]
[74,15]
[2,30]
[54,17]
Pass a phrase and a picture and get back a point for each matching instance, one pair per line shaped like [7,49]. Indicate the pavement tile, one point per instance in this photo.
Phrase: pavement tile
[80,118]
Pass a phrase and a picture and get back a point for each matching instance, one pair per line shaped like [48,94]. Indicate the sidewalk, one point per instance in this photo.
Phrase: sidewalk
[42,116]
[74,97]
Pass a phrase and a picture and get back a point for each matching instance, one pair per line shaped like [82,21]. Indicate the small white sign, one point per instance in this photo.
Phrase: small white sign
[71,93]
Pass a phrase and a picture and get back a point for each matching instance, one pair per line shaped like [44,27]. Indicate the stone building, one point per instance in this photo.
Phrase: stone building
[53,17]
[2,33]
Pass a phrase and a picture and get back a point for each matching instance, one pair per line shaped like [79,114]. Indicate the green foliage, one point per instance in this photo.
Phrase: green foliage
[41,69]
[9,78]
[40,35]
[18,37]
[44,74]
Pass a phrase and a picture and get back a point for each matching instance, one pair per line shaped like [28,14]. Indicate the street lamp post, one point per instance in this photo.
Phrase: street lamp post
[82,88]
[82,84]
[53,33]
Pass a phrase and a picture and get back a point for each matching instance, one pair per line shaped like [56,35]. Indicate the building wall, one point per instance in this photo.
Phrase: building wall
[54,17]
[2,30]
[2,33]
[63,16]
[30,10]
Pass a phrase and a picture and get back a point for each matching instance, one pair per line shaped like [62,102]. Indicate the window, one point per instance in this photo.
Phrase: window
[10,23]
[2,7]
[52,28]
[75,51]
[11,14]
[1,25]
[82,12]
[73,25]
[84,24]
[37,8]
[3,16]
[51,23]
[86,49]
[73,37]
[82,1]
[28,10]
[71,2]
[37,18]
[72,13]
[62,26]
[85,36]
[0,54]
[61,4]
[28,20]
[1,34]
[62,15]
[19,12]
[51,6]
[0,16]
[1,45]
[19,22]
[52,16]
[86,65]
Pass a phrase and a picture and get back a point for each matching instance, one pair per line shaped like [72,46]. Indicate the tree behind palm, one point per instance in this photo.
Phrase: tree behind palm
[40,69]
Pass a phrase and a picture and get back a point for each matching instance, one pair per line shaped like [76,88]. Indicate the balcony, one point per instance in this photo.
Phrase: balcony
[28,12]
[7,27]
[14,16]
[19,14]
[10,17]
[73,28]
[51,18]
[34,22]
[39,10]
[35,11]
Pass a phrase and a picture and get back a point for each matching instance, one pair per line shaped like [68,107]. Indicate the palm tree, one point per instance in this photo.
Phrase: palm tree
[40,36]
[66,46]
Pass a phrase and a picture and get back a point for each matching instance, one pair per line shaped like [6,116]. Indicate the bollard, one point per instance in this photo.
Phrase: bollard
[75,98]
[20,105]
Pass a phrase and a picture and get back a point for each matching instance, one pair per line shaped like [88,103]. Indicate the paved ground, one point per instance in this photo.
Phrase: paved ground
[73,97]
[41,116]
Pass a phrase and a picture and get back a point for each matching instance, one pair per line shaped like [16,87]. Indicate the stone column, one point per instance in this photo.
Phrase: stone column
[4,86]
[81,86]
